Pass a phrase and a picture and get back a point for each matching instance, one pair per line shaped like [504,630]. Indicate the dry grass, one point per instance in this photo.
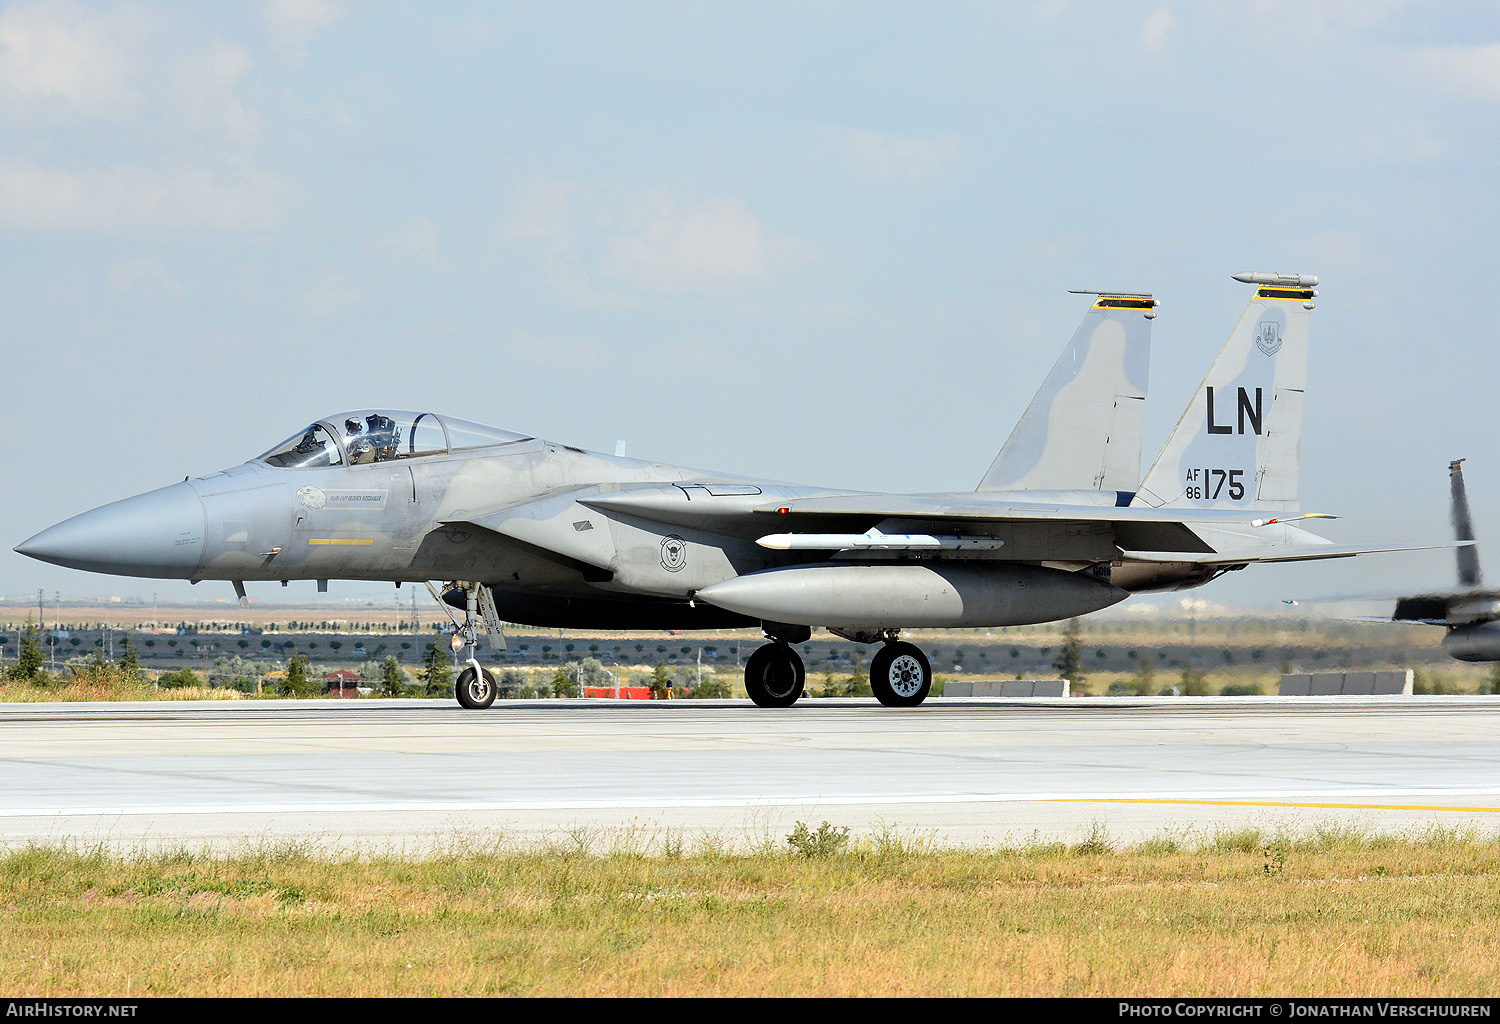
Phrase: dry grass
[97,688]
[1329,913]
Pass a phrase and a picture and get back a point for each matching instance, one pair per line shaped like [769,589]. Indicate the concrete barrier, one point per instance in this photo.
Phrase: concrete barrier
[1347,684]
[1007,688]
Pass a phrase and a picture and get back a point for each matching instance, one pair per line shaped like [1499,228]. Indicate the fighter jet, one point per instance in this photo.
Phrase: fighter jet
[531,531]
[1470,612]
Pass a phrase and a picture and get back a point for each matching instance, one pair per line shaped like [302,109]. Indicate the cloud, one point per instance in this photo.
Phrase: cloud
[123,199]
[182,157]
[1154,33]
[647,241]
[329,293]
[898,159]
[707,245]
[203,89]
[124,275]
[541,210]
[293,22]
[1469,71]
[1060,248]
[418,239]
[476,33]
[84,60]
[556,350]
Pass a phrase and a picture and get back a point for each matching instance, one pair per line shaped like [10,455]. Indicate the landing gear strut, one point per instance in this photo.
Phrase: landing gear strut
[475,688]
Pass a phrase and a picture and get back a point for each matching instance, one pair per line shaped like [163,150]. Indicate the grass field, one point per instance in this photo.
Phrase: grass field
[1328,913]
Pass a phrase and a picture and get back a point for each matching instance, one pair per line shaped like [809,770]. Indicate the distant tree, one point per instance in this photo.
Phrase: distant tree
[1146,671]
[437,672]
[562,685]
[180,679]
[829,687]
[857,684]
[1069,660]
[1194,680]
[591,673]
[660,682]
[710,686]
[296,683]
[514,684]
[234,672]
[394,678]
[31,658]
[130,662]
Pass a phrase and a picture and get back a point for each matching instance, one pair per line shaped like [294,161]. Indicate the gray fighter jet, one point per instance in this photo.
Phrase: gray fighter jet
[1470,612]
[529,531]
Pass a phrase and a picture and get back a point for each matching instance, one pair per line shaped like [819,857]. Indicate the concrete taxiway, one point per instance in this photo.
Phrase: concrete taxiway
[413,775]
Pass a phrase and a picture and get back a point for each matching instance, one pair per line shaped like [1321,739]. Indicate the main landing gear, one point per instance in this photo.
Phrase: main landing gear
[900,674]
[774,676]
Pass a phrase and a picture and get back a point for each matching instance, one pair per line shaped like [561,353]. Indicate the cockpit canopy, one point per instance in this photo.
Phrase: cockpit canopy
[381,435]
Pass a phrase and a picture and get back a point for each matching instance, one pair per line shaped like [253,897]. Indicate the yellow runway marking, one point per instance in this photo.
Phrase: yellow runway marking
[1280,803]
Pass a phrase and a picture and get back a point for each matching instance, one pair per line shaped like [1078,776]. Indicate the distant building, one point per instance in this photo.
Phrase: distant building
[342,683]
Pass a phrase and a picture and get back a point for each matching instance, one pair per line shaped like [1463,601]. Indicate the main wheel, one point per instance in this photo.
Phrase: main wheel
[774,676]
[475,692]
[900,675]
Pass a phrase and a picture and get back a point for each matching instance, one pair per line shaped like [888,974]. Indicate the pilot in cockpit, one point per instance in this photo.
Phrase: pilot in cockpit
[373,440]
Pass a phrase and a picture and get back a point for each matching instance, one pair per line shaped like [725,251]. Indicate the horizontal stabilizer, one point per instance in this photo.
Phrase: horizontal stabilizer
[1288,553]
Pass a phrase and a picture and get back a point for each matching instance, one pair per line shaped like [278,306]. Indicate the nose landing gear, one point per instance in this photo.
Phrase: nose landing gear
[475,687]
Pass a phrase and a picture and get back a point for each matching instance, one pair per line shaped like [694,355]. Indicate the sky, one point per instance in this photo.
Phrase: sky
[829,243]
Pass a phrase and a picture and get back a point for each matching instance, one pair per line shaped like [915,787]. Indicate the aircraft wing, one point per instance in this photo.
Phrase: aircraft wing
[784,517]
[1009,527]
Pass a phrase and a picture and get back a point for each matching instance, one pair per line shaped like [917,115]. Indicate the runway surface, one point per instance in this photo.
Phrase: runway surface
[413,776]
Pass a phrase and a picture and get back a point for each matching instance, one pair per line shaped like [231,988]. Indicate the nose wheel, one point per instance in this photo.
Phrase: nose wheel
[475,690]
[900,675]
[774,676]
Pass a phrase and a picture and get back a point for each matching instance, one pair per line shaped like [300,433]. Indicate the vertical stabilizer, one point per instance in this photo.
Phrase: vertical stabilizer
[1083,429]
[1239,445]
[1463,526]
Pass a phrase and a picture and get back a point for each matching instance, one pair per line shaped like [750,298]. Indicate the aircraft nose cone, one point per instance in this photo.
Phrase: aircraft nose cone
[158,534]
